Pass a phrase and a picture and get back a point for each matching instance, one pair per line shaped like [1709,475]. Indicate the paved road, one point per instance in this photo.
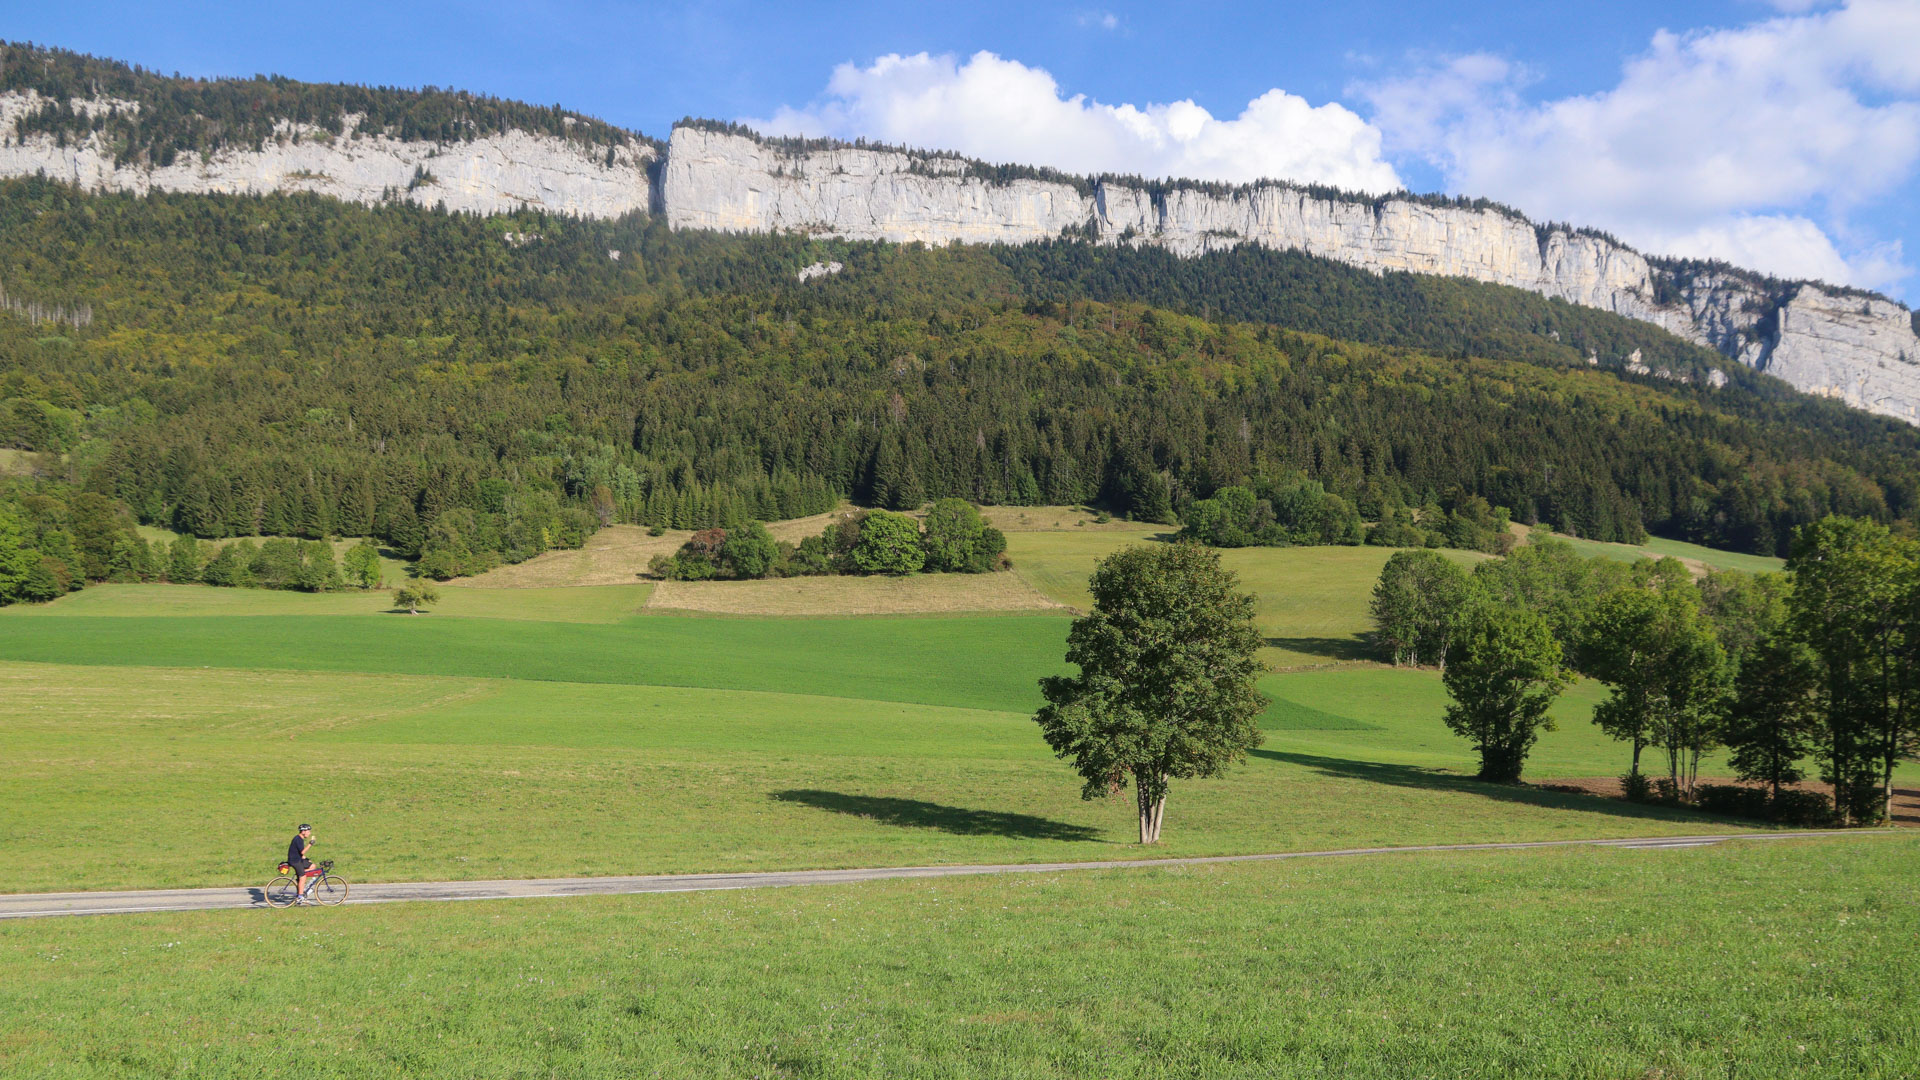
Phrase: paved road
[36,905]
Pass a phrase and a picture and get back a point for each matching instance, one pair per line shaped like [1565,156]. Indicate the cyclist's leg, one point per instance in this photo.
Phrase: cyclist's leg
[307,878]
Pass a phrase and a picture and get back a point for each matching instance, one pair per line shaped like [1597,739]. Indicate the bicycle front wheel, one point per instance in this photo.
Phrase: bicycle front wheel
[330,891]
[283,892]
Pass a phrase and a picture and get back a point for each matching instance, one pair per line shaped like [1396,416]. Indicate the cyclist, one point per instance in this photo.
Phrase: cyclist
[303,867]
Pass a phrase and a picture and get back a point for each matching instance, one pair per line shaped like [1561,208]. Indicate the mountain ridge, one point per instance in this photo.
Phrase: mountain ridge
[1859,347]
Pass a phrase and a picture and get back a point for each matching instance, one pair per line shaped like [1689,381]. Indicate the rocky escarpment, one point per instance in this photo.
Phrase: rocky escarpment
[490,174]
[1860,349]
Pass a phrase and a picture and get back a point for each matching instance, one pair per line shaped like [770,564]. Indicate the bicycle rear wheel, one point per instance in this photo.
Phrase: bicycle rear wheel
[283,892]
[330,891]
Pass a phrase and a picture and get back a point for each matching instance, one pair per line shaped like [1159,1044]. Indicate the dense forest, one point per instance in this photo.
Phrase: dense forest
[486,388]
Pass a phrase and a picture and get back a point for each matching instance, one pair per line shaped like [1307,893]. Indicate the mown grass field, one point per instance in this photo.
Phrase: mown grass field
[122,777]
[1312,602]
[1656,547]
[587,604]
[1779,959]
[573,731]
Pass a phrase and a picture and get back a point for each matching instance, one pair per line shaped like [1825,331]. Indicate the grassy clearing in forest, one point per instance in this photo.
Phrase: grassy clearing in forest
[1698,558]
[1779,959]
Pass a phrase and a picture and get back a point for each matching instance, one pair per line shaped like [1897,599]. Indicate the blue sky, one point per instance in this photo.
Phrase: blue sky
[1784,135]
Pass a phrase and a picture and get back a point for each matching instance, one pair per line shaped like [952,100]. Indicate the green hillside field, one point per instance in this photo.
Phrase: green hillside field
[574,736]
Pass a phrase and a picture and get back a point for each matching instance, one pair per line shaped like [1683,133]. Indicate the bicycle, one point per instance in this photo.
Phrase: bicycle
[326,889]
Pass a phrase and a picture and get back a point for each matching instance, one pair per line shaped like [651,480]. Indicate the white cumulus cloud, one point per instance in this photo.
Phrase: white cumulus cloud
[1004,111]
[1724,143]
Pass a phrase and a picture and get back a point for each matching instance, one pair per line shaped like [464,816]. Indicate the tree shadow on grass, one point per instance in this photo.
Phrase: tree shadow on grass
[915,814]
[1413,776]
[1333,648]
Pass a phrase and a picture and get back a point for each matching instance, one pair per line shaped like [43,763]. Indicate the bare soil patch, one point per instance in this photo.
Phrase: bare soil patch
[921,594]
[1906,801]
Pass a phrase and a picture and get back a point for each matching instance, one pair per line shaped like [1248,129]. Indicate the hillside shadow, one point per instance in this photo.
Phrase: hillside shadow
[1906,806]
[1332,648]
[1413,776]
[915,814]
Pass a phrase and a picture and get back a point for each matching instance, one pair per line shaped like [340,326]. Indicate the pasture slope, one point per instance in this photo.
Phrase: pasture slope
[162,736]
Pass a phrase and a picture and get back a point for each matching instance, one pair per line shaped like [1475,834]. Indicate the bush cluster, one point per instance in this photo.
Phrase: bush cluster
[953,539]
[1789,806]
[1296,511]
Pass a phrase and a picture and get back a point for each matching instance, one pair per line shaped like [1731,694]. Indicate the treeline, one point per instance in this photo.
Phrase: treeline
[299,366]
[51,546]
[167,116]
[1293,512]
[1817,664]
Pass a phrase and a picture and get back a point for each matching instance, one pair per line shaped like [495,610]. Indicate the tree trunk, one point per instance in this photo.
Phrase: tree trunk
[1151,797]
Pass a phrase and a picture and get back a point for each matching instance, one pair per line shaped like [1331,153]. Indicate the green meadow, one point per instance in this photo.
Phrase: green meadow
[172,736]
[1775,959]
[169,736]
[1312,602]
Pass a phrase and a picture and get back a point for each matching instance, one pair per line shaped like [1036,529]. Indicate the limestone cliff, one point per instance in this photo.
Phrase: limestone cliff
[1862,350]
[1858,348]
[487,175]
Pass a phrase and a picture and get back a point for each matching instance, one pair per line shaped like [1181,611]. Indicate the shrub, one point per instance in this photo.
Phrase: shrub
[1637,788]
[416,596]
[958,541]
[1790,807]
[1732,800]
[231,566]
[889,544]
[1795,807]
[811,559]
[747,552]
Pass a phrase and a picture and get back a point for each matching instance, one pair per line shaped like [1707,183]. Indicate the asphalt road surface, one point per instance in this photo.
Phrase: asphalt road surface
[38,905]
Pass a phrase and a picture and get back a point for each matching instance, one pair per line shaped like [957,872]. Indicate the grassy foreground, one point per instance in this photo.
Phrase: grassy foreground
[125,777]
[1777,959]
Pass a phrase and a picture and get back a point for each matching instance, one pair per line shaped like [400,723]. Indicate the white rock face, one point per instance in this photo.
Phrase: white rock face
[1863,352]
[489,175]
[736,184]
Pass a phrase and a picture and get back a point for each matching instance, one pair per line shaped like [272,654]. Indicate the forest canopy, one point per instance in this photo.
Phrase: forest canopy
[486,388]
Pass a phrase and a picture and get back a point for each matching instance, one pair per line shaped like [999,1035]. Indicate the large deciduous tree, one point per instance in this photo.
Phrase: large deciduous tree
[1855,592]
[958,541]
[1774,716]
[1505,674]
[1416,603]
[889,544]
[1166,683]
[1667,673]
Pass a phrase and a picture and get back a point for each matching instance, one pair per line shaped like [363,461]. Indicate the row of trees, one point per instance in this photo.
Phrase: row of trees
[49,547]
[953,538]
[1820,664]
[1301,512]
